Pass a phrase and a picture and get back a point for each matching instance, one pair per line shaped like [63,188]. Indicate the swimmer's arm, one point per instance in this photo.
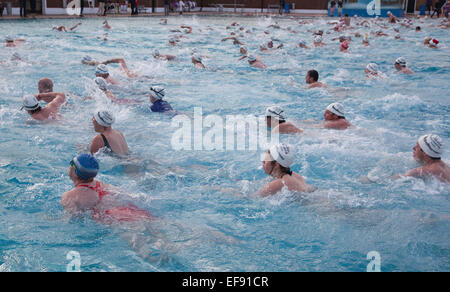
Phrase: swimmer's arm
[75,26]
[51,96]
[416,172]
[116,61]
[241,58]
[270,189]
[97,144]
[111,95]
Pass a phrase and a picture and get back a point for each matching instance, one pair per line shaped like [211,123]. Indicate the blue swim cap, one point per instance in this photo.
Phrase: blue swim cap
[86,166]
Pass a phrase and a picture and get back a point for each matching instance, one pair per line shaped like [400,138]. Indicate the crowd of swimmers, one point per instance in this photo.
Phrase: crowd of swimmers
[89,194]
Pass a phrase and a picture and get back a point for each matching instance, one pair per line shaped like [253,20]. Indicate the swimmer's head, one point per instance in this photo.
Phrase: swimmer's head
[426,40]
[318,39]
[433,43]
[102,71]
[84,166]
[86,59]
[15,56]
[400,62]
[45,85]
[155,53]
[9,39]
[418,28]
[157,92]
[302,44]
[431,145]
[172,41]
[103,118]
[336,109]
[101,83]
[197,58]
[312,76]
[276,113]
[30,103]
[344,45]
[397,36]
[282,154]
[372,68]
[251,59]
[243,50]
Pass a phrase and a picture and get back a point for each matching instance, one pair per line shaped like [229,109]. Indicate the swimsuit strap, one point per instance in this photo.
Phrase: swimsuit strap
[98,189]
[105,141]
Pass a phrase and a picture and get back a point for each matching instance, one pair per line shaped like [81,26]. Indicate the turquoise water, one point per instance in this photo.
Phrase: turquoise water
[200,228]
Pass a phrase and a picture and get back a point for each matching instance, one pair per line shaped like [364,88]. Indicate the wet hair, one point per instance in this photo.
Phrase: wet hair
[314,74]
[284,170]
[418,28]
[346,15]
[35,111]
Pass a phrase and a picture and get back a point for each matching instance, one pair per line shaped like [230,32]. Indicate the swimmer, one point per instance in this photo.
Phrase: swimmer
[187,29]
[103,86]
[112,140]
[302,45]
[276,120]
[392,18]
[318,41]
[123,66]
[255,62]
[63,28]
[334,117]
[236,41]
[347,20]
[380,33]
[344,46]
[106,24]
[400,66]
[434,44]
[418,28]
[372,71]
[87,60]
[428,151]
[173,42]
[427,40]
[157,93]
[276,163]
[163,21]
[312,78]
[16,57]
[54,99]
[102,71]
[12,42]
[89,195]
[197,61]
[365,40]
[159,56]
[244,52]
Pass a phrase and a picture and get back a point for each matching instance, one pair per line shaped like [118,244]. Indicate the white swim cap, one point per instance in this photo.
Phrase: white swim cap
[30,103]
[104,118]
[401,61]
[9,38]
[251,58]
[303,43]
[337,109]
[15,56]
[372,67]
[101,69]
[432,145]
[159,92]
[276,112]
[155,53]
[244,48]
[101,83]
[282,153]
[197,57]
[318,39]
[86,59]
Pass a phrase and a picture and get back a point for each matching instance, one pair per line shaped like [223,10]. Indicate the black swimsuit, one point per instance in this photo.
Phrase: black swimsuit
[105,141]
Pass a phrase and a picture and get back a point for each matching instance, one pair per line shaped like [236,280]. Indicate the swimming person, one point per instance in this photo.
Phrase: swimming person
[112,140]
[372,71]
[87,60]
[334,117]
[302,45]
[123,66]
[428,151]
[318,41]
[12,42]
[103,86]
[39,113]
[102,71]
[276,120]
[197,61]
[157,93]
[255,62]
[159,56]
[312,78]
[400,66]
[90,195]
[63,28]
[276,163]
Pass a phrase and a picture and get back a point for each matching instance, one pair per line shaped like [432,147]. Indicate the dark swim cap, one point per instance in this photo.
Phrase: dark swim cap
[86,166]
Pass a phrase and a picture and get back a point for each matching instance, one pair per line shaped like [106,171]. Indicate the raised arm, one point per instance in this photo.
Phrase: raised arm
[270,189]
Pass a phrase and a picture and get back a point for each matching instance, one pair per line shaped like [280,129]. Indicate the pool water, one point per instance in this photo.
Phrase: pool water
[201,226]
